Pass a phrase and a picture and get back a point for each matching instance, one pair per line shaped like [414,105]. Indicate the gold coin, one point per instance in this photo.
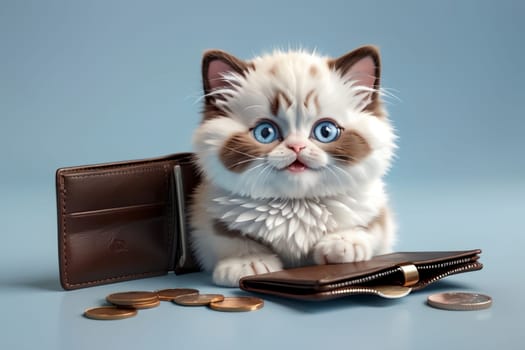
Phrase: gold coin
[238,304]
[109,313]
[170,294]
[147,305]
[460,301]
[198,299]
[130,298]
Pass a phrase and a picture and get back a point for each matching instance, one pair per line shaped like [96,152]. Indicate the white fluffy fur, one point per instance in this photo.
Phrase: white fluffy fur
[320,216]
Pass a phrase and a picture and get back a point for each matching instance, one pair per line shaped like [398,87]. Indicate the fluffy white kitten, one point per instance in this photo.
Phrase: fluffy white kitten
[292,148]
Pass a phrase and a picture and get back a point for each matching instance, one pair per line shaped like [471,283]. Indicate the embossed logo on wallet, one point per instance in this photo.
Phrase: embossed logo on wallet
[118,246]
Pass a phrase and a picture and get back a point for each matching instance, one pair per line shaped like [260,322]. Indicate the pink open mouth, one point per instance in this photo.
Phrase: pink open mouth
[297,167]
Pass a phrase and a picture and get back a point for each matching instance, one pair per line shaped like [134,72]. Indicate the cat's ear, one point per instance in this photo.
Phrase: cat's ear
[363,66]
[216,65]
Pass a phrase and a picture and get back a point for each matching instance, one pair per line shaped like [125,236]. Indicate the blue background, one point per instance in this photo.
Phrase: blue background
[93,81]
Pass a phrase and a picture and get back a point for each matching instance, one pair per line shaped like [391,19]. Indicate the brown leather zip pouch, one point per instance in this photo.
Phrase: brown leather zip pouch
[125,220]
[390,276]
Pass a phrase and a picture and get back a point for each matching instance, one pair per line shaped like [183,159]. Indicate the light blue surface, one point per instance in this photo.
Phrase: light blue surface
[85,82]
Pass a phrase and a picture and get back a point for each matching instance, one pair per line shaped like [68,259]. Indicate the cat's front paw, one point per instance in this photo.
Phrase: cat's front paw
[229,271]
[343,247]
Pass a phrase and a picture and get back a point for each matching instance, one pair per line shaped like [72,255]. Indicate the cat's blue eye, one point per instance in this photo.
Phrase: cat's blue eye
[326,131]
[265,132]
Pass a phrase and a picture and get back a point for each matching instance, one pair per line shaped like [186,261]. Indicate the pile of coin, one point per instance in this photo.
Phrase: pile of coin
[126,304]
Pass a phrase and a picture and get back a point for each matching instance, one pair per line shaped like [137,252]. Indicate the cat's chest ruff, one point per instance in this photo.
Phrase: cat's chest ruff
[291,226]
[282,216]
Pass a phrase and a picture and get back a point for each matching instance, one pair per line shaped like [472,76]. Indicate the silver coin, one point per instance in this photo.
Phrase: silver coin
[460,301]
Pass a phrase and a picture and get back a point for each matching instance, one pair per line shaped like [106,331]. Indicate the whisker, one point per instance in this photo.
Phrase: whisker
[350,178]
[251,106]
[387,92]
[248,160]
[329,167]
[257,180]
[196,97]
[242,162]
[244,153]
[253,167]
[269,168]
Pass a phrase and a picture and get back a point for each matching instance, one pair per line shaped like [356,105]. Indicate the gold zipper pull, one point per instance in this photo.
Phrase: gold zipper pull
[410,274]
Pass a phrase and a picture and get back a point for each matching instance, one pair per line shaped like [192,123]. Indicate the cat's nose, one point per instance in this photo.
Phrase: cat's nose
[296,147]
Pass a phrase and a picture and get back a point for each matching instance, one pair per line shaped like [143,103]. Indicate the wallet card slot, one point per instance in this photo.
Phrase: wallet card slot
[114,188]
[110,211]
[86,221]
[120,243]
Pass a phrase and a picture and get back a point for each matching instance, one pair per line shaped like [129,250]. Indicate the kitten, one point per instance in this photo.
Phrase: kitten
[292,148]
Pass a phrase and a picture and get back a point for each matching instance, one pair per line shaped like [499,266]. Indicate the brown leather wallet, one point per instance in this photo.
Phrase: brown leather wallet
[125,220]
[405,271]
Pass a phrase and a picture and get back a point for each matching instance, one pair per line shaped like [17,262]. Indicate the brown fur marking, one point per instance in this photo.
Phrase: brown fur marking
[211,111]
[240,149]
[275,103]
[350,147]
[379,220]
[313,71]
[307,98]
[316,101]
[221,229]
[317,104]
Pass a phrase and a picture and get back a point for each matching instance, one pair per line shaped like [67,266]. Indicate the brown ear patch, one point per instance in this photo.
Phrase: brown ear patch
[233,62]
[345,63]
[240,150]
[349,148]
[211,110]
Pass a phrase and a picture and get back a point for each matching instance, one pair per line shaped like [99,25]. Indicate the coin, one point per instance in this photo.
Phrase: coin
[170,294]
[460,301]
[198,299]
[238,304]
[391,292]
[147,305]
[109,313]
[130,298]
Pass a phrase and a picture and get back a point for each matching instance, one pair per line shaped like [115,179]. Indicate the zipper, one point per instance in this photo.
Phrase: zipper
[444,264]
[472,266]
[353,290]
[388,292]
[365,279]
[421,268]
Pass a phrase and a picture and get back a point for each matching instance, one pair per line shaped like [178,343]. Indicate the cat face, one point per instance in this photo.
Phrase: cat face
[293,124]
